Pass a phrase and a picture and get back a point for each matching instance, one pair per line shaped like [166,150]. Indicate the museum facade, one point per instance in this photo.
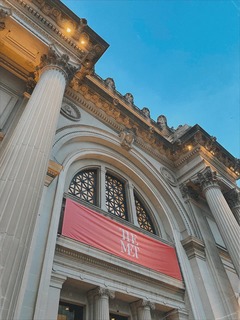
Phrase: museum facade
[104,212]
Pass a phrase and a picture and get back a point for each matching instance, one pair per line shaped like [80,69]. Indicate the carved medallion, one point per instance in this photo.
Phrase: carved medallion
[168,176]
[70,111]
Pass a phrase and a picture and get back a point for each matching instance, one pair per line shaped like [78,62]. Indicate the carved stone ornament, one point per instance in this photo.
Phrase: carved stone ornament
[208,178]
[126,139]
[109,82]
[4,12]
[129,98]
[60,61]
[168,176]
[188,192]
[144,303]
[146,112]
[233,198]
[105,292]
[70,111]
[162,122]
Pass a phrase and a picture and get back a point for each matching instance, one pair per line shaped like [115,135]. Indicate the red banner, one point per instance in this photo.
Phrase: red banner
[85,225]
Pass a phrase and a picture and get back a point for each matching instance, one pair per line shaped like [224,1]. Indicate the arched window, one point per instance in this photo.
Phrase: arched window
[143,217]
[83,186]
[115,197]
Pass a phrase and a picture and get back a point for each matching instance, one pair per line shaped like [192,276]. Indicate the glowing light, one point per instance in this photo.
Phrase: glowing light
[68,30]
[189,147]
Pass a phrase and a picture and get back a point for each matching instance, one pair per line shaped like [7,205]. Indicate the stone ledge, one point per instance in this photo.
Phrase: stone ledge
[194,248]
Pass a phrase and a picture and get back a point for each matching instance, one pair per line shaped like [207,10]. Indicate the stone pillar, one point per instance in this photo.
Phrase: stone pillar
[23,166]
[144,308]
[56,283]
[233,199]
[131,204]
[102,189]
[101,303]
[223,216]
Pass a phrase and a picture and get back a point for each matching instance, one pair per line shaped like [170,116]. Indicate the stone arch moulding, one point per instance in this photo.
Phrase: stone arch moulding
[88,142]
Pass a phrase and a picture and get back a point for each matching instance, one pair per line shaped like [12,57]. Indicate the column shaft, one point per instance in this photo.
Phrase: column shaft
[23,167]
[144,313]
[101,307]
[226,222]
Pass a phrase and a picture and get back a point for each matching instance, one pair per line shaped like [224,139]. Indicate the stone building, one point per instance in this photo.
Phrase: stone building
[104,213]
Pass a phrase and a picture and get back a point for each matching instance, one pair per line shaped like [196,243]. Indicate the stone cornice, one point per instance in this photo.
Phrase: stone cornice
[54,18]
[167,282]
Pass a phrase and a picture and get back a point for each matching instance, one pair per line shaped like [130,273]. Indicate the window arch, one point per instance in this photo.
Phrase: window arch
[86,186]
[143,217]
[83,186]
[115,196]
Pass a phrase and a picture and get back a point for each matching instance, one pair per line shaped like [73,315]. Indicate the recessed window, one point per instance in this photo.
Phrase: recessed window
[83,186]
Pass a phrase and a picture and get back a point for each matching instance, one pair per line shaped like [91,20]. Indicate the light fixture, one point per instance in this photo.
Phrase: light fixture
[189,147]
[68,30]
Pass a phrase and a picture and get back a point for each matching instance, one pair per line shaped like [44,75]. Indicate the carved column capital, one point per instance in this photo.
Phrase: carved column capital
[208,178]
[100,292]
[233,198]
[145,304]
[56,60]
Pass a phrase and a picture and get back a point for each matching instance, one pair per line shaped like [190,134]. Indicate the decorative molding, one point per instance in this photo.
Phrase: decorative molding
[194,248]
[70,111]
[129,98]
[53,171]
[168,176]
[188,192]
[126,139]
[4,12]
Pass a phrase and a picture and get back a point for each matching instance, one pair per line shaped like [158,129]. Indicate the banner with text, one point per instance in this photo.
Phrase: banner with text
[90,227]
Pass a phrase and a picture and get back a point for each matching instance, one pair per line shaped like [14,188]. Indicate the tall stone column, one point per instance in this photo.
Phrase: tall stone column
[101,303]
[227,224]
[144,308]
[23,166]
[233,199]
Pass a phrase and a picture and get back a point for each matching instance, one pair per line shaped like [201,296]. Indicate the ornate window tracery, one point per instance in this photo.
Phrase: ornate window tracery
[115,197]
[142,216]
[83,186]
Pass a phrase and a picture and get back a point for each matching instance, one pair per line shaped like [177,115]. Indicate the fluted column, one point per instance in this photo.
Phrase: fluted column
[101,303]
[144,308]
[223,216]
[23,166]
[233,199]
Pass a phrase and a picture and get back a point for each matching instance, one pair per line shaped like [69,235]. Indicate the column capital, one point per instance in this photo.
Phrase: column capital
[100,291]
[233,198]
[208,178]
[58,61]
[145,303]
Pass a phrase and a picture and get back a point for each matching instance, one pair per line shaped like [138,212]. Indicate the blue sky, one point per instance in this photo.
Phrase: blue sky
[179,58]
